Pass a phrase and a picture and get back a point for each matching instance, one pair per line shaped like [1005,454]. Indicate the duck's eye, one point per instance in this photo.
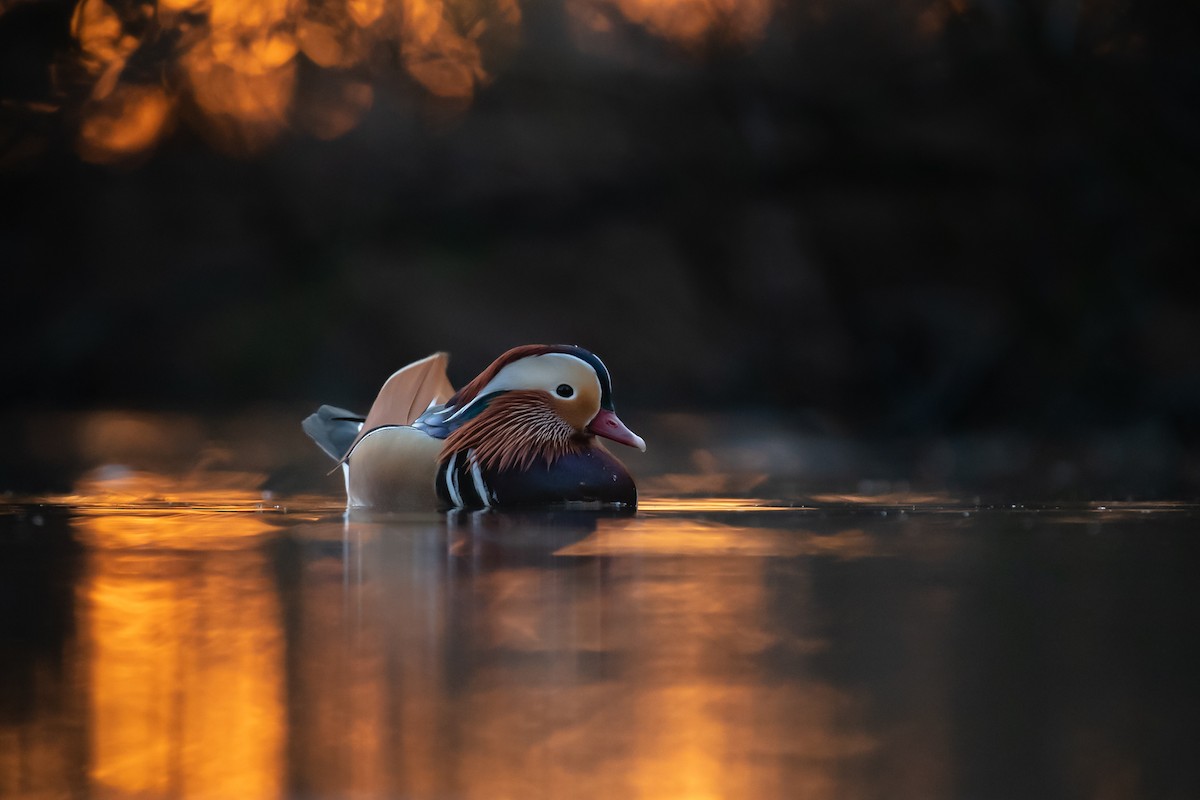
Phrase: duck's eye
[564,391]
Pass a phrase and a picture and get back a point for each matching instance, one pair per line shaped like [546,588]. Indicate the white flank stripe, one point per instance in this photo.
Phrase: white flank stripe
[452,481]
[477,479]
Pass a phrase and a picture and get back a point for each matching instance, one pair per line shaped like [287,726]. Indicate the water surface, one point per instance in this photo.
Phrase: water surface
[231,645]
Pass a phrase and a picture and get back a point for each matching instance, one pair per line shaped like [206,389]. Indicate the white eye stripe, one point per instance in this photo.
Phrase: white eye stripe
[540,372]
[531,373]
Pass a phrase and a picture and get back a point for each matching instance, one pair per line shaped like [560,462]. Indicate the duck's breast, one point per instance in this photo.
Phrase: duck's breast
[589,475]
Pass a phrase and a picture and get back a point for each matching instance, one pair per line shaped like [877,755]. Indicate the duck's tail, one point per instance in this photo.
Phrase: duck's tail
[333,429]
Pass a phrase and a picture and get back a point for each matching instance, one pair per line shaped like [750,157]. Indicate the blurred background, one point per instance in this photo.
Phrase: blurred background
[939,242]
[924,267]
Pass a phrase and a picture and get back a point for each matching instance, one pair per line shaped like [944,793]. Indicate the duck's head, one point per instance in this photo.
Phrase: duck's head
[536,400]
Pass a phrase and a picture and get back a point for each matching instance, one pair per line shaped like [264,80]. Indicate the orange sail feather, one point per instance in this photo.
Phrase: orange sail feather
[408,393]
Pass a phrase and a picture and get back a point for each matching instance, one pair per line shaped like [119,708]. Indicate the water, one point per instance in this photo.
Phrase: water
[162,640]
[185,612]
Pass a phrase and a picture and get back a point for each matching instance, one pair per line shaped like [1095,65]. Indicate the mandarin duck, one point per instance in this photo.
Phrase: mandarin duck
[522,433]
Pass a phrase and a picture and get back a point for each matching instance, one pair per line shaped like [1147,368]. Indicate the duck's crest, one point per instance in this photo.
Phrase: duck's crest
[471,391]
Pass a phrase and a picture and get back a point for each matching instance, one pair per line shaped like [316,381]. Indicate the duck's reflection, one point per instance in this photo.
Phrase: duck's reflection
[473,657]
[366,673]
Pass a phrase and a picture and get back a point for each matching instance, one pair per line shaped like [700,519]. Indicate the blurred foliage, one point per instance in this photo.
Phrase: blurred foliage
[909,217]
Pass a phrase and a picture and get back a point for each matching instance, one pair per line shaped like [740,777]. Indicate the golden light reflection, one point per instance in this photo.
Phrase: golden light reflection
[909,499]
[188,530]
[687,537]
[699,504]
[685,707]
[185,662]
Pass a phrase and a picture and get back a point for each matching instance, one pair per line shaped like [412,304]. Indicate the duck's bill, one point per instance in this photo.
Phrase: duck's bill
[609,425]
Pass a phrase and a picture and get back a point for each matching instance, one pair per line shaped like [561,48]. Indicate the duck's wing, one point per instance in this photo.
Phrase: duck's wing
[407,394]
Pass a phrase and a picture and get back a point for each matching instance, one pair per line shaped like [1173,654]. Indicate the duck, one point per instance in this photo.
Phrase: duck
[525,432]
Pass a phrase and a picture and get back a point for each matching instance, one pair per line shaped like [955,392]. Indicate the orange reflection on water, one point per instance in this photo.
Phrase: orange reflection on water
[911,499]
[685,707]
[689,537]
[186,531]
[185,661]
[700,504]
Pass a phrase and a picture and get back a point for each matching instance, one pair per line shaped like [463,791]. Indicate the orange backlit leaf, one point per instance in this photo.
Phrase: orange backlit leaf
[252,98]
[685,22]
[324,45]
[245,111]
[508,12]
[423,20]
[180,5]
[365,12]
[108,79]
[450,71]
[129,121]
[100,33]
[250,15]
[339,116]
[252,54]
[235,63]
